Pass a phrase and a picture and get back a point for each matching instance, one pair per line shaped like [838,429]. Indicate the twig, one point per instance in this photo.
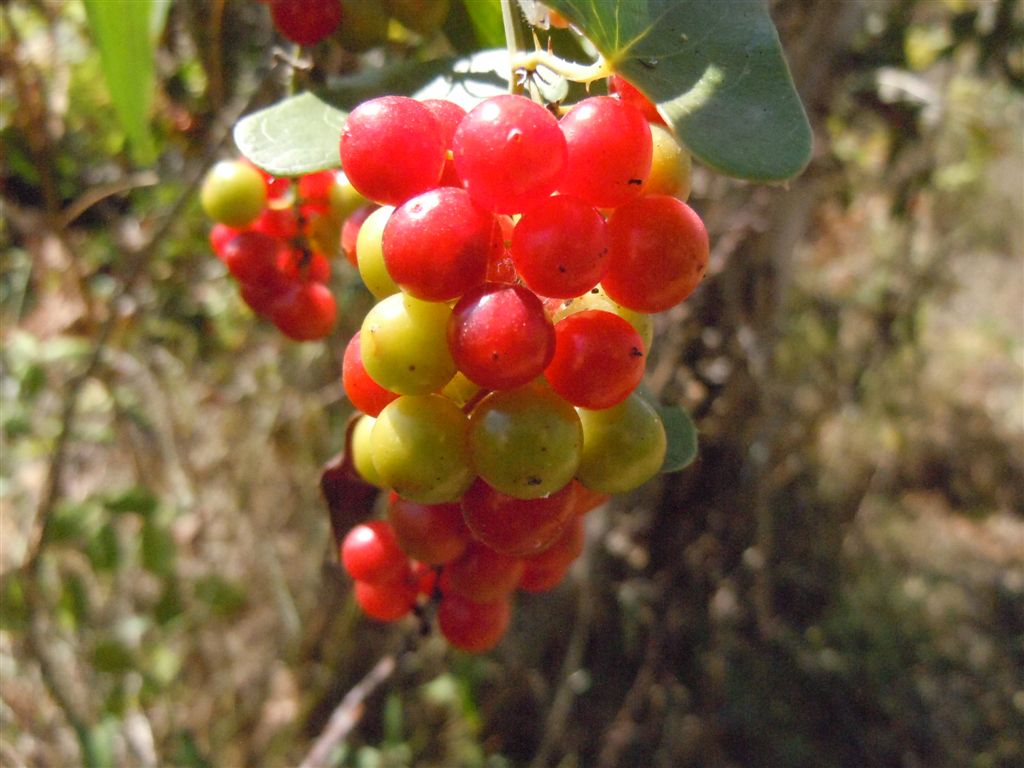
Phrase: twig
[348,713]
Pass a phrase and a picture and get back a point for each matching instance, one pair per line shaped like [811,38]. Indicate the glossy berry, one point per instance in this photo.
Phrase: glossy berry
[658,253]
[623,446]
[233,193]
[350,232]
[610,147]
[525,442]
[369,253]
[599,359]
[500,336]
[471,626]
[387,600]
[403,342]
[436,246]
[370,552]
[431,533]
[420,449]
[509,153]
[392,149]
[305,21]
[306,312]
[481,574]
[560,247]
[517,526]
[449,115]
[252,257]
[631,95]
[362,391]
[544,571]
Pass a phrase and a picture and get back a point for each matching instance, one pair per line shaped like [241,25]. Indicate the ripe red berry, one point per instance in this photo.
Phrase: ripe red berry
[387,600]
[544,571]
[509,153]
[658,253]
[500,336]
[481,574]
[599,359]
[560,247]
[431,533]
[517,526]
[471,626]
[362,391]
[306,312]
[305,21]
[631,95]
[392,149]
[251,257]
[370,552]
[436,246]
[610,149]
[449,115]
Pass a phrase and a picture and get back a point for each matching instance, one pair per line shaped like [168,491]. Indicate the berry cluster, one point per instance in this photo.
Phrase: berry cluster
[516,258]
[275,235]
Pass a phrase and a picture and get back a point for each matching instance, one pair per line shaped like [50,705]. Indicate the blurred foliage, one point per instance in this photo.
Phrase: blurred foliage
[837,581]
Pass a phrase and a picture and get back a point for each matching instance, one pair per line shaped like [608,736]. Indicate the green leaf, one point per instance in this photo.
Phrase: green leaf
[716,70]
[112,656]
[223,597]
[137,499]
[296,136]
[300,135]
[158,551]
[486,18]
[123,31]
[682,437]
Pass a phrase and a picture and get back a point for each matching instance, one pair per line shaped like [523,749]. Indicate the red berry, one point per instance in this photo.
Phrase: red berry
[500,336]
[599,359]
[514,526]
[470,626]
[631,95]
[370,552]
[546,570]
[560,247]
[252,258]
[481,574]
[436,246]
[305,21]
[431,533]
[220,236]
[509,153]
[306,312]
[449,115]
[610,149]
[658,253]
[362,391]
[387,600]
[392,149]
[350,232]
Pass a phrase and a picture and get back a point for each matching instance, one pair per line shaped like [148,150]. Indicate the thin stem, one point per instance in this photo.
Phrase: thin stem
[512,41]
[570,70]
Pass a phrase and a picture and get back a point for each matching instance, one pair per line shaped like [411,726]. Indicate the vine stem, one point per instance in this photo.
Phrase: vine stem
[570,70]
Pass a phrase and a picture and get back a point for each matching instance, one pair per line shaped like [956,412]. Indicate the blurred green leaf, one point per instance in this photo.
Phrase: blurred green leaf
[103,548]
[112,656]
[157,548]
[138,499]
[186,752]
[295,136]
[223,597]
[486,18]
[71,522]
[123,31]
[170,605]
[715,69]
[13,605]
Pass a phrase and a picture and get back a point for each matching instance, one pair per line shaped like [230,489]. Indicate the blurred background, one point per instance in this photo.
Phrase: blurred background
[837,581]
